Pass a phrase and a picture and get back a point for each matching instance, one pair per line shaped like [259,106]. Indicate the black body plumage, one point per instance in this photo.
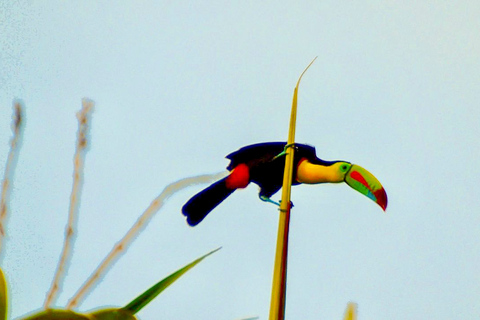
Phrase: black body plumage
[265,167]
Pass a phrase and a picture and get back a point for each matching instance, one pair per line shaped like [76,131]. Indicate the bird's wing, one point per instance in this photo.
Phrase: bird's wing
[255,154]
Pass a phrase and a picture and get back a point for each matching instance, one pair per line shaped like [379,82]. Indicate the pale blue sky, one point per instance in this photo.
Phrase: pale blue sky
[178,85]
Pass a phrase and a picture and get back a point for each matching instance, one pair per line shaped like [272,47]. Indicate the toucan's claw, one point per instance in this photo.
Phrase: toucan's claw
[284,152]
[267,199]
[281,154]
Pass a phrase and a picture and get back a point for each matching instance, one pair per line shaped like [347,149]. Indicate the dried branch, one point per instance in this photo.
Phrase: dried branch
[83,117]
[17,128]
[121,246]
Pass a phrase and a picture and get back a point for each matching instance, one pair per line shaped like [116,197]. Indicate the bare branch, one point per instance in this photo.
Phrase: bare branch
[83,117]
[122,246]
[17,128]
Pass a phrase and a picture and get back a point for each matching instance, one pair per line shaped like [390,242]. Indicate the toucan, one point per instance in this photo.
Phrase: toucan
[264,164]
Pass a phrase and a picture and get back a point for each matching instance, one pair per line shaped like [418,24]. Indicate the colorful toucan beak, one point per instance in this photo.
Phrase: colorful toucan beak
[364,182]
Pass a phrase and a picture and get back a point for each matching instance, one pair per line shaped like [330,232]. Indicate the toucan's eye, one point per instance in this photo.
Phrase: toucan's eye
[344,167]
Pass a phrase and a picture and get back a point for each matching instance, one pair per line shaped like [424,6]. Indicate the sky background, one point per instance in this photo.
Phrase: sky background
[178,85]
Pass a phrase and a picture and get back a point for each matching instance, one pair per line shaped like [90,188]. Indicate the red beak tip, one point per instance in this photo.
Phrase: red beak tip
[382,199]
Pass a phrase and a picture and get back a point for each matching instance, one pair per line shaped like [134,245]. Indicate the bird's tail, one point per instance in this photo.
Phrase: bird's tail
[197,208]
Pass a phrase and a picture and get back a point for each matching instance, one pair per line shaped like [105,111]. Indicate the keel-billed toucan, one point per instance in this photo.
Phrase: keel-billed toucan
[264,164]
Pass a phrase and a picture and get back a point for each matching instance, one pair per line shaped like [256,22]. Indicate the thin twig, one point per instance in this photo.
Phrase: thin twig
[121,246]
[17,128]
[83,117]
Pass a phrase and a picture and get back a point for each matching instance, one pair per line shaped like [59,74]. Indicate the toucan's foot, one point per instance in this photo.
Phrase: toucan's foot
[284,152]
[267,199]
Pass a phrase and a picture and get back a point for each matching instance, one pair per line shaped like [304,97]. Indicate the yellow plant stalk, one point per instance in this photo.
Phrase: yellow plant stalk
[351,312]
[279,285]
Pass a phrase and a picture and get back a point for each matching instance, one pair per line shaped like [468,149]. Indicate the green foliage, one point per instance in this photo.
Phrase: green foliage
[55,314]
[105,314]
[112,314]
[3,296]
[125,313]
[143,299]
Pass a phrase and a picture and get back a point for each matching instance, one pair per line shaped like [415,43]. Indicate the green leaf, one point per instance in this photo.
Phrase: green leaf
[142,300]
[3,296]
[56,314]
[59,314]
[113,314]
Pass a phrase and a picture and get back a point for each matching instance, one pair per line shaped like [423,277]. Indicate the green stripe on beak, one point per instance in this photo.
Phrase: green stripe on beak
[364,182]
